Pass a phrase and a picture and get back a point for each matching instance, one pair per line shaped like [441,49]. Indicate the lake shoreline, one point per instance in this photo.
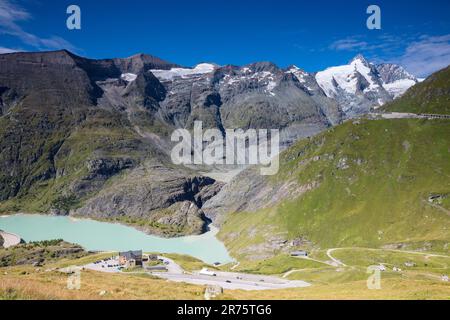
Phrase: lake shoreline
[102,236]
[146,230]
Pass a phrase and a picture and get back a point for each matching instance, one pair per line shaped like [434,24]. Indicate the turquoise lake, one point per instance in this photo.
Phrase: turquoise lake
[102,236]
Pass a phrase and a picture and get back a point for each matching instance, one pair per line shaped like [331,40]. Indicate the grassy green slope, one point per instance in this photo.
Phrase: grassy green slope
[429,96]
[373,180]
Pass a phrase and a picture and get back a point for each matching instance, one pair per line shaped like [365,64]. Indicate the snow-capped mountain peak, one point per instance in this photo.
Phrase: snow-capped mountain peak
[359,60]
[306,80]
[299,73]
[347,78]
[361,85]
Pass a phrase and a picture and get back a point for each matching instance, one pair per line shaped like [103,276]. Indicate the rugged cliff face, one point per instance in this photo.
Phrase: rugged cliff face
[155,198]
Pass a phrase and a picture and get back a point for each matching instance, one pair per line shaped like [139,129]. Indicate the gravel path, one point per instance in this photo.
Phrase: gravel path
[338,262]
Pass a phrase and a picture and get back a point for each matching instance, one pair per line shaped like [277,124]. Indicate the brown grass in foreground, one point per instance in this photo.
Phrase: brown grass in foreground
[52,285]
[391,289]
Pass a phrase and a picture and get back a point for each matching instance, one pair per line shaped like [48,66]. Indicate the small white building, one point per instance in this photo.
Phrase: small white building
[380,267]
[410,264]
[299,253]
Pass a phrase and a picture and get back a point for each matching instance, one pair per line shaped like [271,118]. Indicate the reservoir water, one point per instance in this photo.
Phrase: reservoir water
[103,236]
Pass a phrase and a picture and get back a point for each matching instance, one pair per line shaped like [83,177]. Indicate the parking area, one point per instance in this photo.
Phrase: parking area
[170,270]
[106,265]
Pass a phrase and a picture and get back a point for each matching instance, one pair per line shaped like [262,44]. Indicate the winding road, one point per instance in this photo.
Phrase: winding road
[336,261]
[227,280]
[404,115]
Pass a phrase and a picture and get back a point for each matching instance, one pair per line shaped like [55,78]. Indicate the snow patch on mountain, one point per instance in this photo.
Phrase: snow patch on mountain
[307,80]
[168,75]
[128,77]
[399,87]
[264,80]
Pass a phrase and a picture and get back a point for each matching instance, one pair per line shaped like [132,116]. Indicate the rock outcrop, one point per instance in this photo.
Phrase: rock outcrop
[157,194]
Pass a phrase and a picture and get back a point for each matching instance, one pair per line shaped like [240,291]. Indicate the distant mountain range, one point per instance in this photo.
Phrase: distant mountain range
[264,95]
[256,95]
[357,87]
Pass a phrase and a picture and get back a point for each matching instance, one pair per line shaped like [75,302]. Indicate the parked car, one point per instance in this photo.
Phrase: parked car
[207,272]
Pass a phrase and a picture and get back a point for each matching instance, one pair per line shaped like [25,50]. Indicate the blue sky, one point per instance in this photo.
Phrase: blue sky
[310,34]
